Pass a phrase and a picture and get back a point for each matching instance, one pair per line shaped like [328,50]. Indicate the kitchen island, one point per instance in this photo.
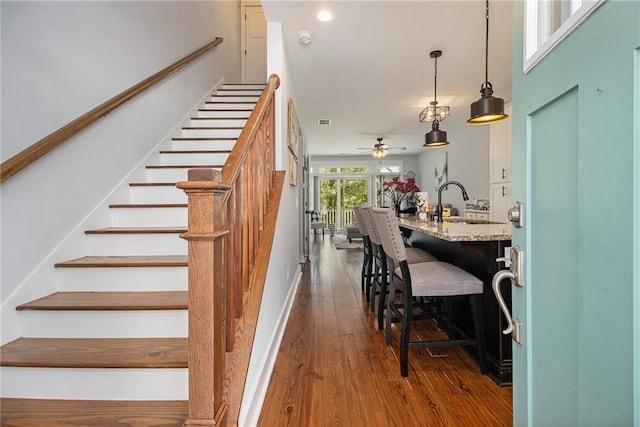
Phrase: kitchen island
[472,245]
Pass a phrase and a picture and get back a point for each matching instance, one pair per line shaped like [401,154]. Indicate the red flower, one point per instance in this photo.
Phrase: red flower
[397,191]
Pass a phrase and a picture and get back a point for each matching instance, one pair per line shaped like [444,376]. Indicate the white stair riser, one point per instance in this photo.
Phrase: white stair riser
[259,87]
[193,158]
[212,114]
[210,133]
[222,122]
[98,384]
[194,144]
[148,217]
[135,244]
[104,324]
[223,106]
[157,194]
[245,99]
[168,174]
[230,91]
[122,279]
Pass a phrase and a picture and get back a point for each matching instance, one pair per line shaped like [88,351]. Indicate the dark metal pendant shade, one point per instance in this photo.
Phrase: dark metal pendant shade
[487,109]
[435,138]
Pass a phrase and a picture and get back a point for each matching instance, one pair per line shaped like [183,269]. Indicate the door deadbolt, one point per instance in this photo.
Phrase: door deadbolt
[515,214]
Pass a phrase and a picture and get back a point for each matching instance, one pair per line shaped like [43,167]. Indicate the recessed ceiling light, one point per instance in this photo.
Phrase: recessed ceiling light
[324,15]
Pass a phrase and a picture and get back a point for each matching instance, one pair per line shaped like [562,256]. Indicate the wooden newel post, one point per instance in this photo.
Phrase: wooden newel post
[207,226]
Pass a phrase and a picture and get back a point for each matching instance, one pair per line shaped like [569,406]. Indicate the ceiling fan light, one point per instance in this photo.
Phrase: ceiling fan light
[378,154]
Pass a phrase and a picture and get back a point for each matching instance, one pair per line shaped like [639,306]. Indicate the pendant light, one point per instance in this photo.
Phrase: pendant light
[487,109]
[437,137]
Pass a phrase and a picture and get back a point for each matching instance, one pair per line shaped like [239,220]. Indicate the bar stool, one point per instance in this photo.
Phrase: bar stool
[367,259]
[426,279]
[380,279]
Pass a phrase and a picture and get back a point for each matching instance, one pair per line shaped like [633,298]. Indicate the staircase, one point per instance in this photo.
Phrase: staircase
[110,347]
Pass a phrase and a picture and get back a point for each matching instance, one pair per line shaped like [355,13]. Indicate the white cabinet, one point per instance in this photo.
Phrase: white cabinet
[500,150]
[500,168]
[500,194]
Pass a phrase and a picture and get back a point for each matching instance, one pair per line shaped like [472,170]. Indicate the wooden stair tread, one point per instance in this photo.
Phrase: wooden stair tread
[230,102]
[148,205]
[152,184]
[127,261]
[213,127]
[83,413]
[236,95]
[184,166]
[204,138]
[224,109]
[96,353]
[112,300]
[194,151]
[137,230]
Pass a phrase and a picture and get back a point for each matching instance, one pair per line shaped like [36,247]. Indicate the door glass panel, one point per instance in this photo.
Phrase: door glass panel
[548,22]
[339,196]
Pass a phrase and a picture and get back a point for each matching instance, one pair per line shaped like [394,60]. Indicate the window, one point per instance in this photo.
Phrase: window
[350,170]
[548,22]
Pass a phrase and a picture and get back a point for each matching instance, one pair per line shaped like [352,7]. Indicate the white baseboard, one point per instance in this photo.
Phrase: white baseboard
[253,399]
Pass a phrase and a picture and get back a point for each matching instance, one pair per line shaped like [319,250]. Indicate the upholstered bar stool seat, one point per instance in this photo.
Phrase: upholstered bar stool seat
[441,279]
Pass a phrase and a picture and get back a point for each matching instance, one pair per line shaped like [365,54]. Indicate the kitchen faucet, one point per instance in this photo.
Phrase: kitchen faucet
[465,197]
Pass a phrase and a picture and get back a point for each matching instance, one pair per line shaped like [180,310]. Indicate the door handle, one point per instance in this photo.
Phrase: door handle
[515,276]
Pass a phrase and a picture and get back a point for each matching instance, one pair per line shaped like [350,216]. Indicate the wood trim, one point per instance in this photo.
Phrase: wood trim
[28,156]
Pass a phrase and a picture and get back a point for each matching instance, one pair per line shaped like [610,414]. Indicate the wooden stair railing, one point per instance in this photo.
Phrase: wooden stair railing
[227,213]
[29,155]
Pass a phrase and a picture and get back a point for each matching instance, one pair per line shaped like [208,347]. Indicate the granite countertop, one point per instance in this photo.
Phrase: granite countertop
[459,229]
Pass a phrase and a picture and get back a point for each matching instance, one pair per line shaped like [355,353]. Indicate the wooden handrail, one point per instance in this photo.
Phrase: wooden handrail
[29,155]
[231,223]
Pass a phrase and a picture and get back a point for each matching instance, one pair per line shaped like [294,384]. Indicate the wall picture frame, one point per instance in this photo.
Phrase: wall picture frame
[293,170]
[293,131]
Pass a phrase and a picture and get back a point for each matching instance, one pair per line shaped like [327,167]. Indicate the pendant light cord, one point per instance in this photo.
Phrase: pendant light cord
[435,83]
[486,49]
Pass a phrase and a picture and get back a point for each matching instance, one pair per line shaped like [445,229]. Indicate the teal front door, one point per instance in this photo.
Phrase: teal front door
[575,121]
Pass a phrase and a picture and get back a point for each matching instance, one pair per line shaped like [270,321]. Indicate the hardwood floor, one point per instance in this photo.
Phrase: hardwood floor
[335,369]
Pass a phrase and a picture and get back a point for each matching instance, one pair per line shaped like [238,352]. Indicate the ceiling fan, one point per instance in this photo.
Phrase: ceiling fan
[380,150]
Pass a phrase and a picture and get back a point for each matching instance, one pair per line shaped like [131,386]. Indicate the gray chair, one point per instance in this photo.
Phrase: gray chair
[380,280]
[431,280]
[367,260]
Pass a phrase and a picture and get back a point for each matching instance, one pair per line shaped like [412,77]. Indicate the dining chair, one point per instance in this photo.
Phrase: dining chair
[426,279]
[380,279]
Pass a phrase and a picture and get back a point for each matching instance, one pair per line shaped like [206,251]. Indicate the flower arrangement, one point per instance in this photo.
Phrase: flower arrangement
[398,191]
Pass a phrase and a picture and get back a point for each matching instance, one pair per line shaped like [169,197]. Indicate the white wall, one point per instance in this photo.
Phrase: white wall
[284,270]
[468,157]
[61,59]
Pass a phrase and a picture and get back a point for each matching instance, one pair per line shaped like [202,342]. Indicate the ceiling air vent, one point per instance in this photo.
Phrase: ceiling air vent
[324,122]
